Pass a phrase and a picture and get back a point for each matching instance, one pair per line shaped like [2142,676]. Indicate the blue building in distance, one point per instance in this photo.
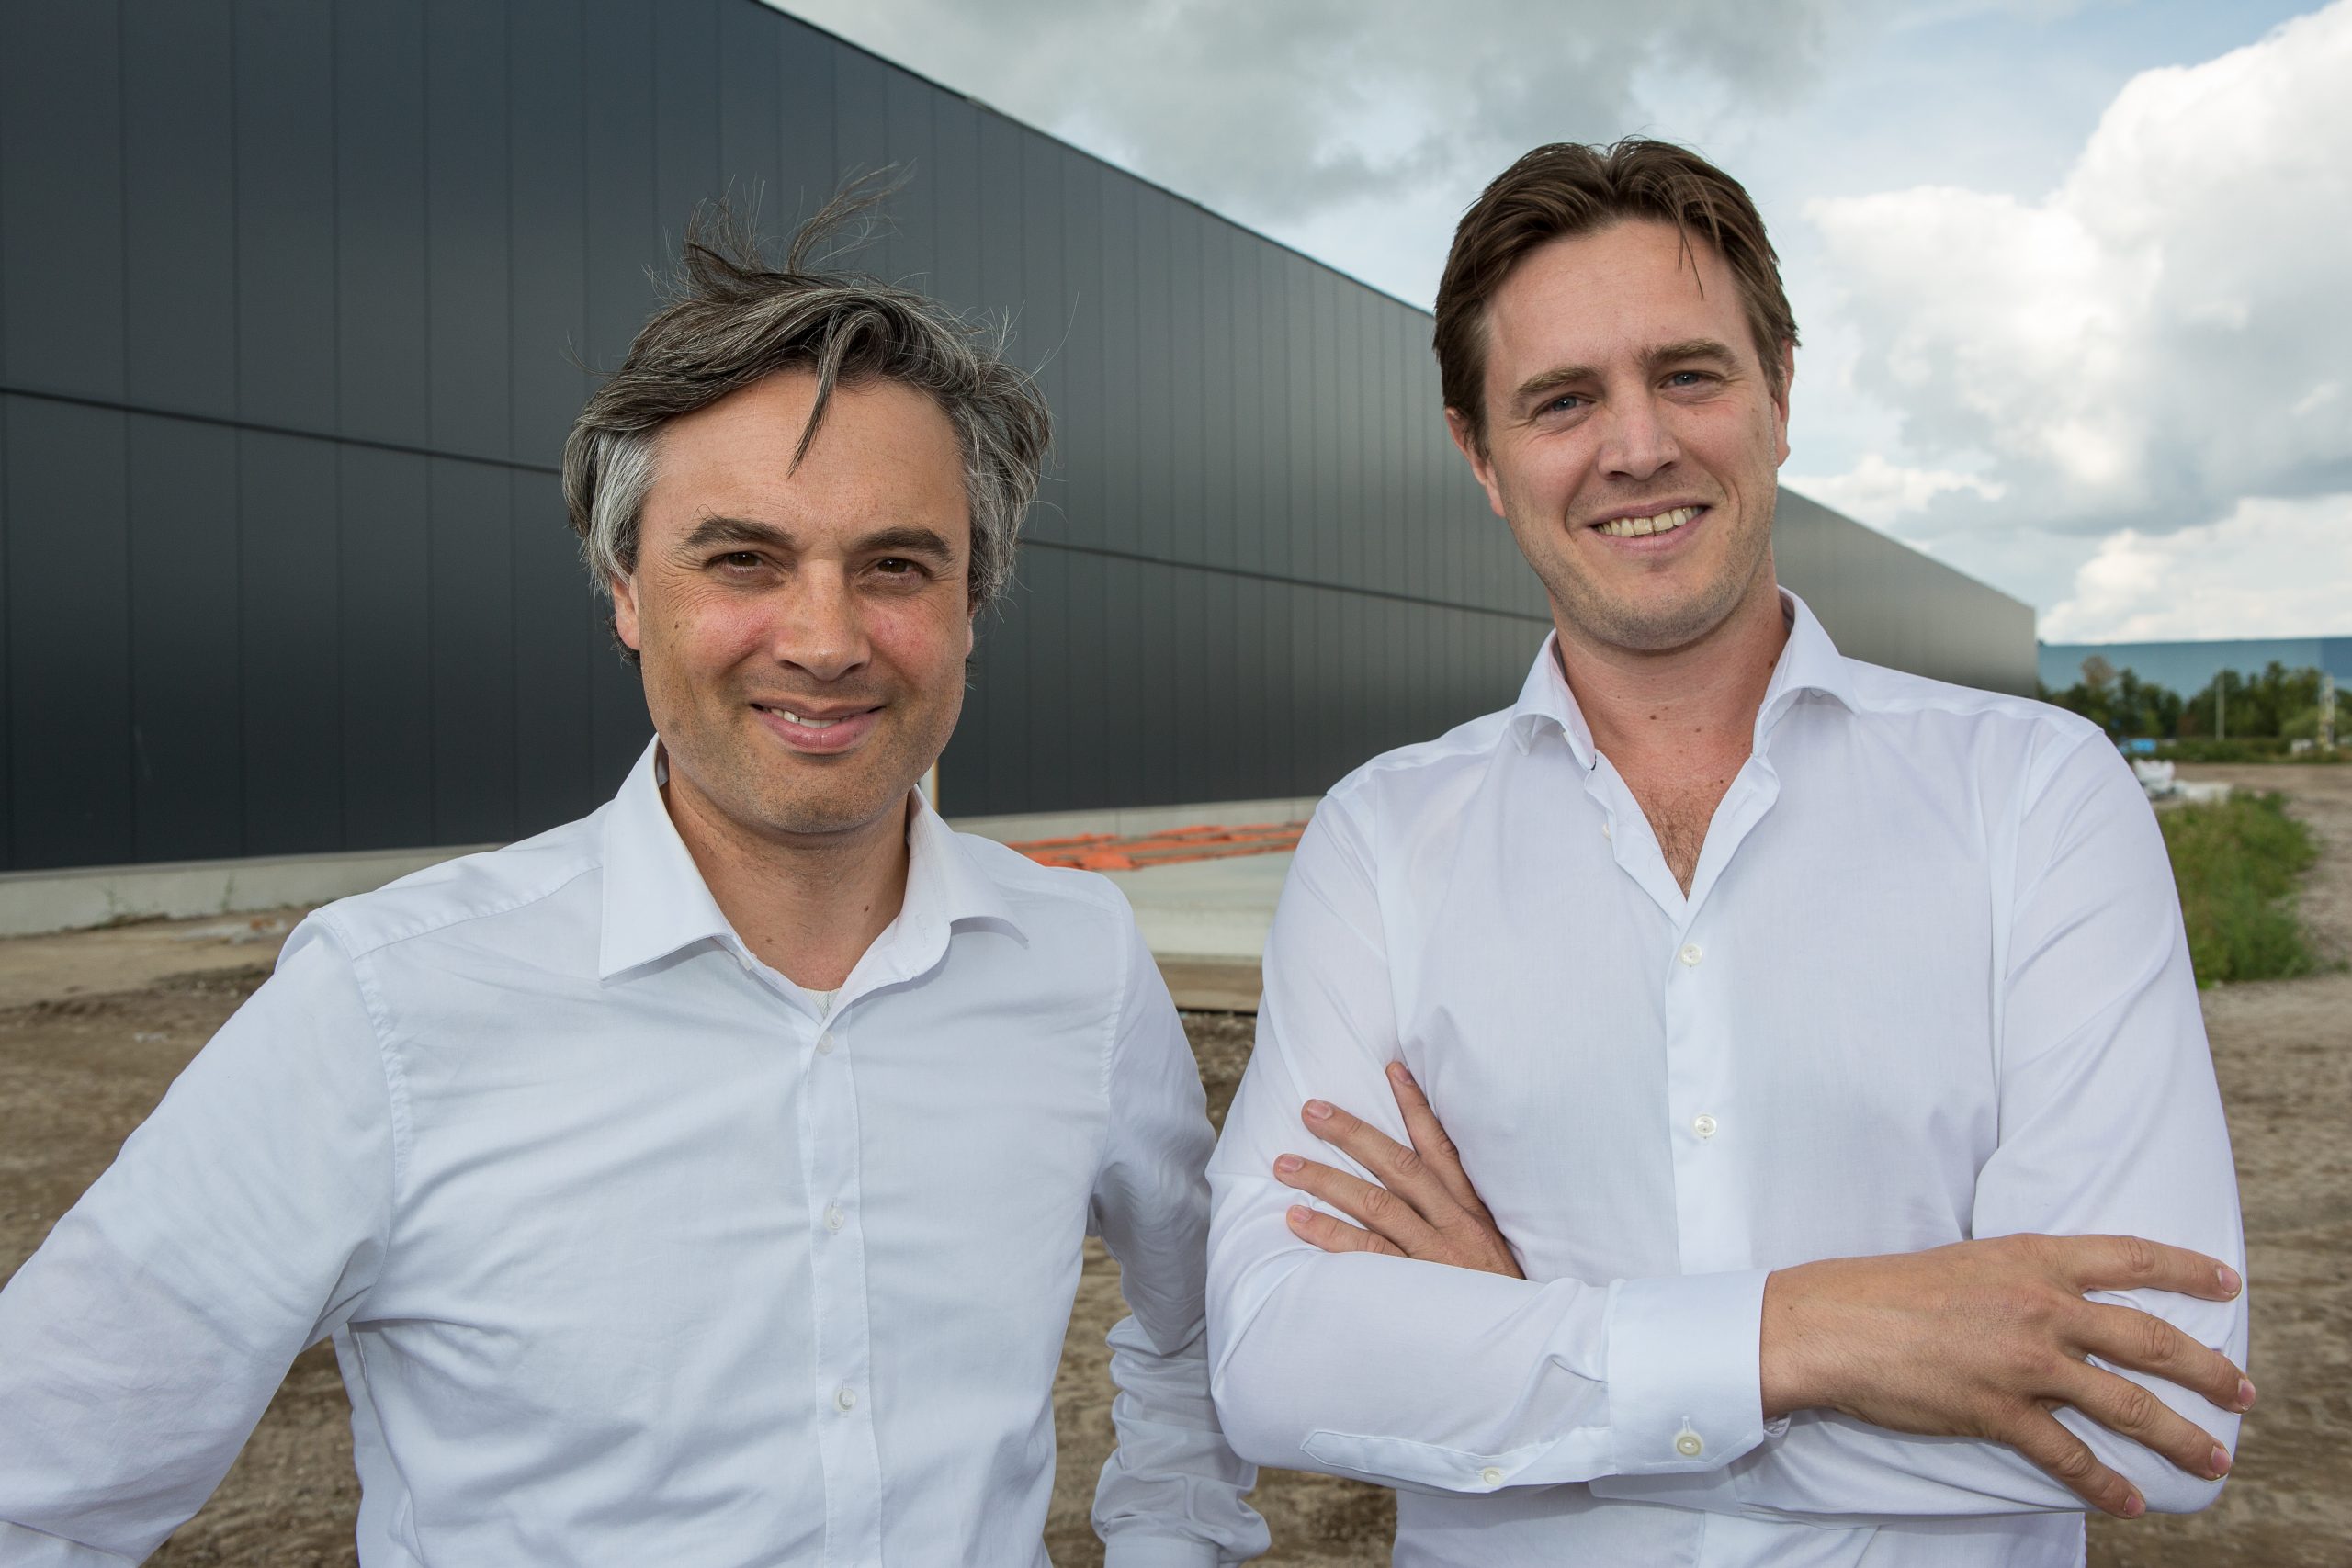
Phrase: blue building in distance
[2188,667]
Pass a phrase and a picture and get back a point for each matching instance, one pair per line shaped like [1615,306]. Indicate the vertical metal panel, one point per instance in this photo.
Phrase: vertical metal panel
[1120,455]
[555,769]
[751,82]
[1154,457]
[60,199]
[548,264]
[187,764]
[179,170]
[380,267]
[1044,730]
[1039,342]
[69,644]
[1081,332]
[467,216]
[686,119]
[975,220]
[384,636]
[1186,432]
[286,219]
[810,167]
[624,229]
[289,674]
[473,598]
[910,248]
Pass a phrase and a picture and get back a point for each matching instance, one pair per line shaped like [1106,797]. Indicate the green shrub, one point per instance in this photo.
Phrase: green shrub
[2237,862]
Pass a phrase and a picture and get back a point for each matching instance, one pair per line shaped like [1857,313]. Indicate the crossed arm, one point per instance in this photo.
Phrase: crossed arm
[1976,1339]
[1512,1382]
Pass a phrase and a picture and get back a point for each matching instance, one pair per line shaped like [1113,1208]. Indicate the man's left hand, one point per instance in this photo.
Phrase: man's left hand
[1423,1207]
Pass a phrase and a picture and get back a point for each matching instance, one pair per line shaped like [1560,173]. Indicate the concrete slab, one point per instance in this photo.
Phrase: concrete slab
[1218,911]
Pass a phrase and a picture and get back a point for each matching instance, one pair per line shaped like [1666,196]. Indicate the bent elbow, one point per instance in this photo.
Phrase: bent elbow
[2169,1490]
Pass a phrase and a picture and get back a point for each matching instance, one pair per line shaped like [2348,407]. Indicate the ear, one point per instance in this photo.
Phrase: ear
[624,623]
[1467,442]
[971,630]
[1780,400]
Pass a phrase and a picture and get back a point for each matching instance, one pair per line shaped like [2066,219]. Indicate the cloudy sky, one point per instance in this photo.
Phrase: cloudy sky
[2074,277]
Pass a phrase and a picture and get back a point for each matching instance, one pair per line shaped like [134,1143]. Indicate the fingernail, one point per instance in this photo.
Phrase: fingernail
[1398,1074]
[2245,1395]
[1298,1214]
[1317,1110]
[2230,1280]
[2219,1465]
[2134,1505]
[1288,1164]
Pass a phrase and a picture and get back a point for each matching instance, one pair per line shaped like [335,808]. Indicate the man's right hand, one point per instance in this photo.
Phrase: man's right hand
[1985,1338]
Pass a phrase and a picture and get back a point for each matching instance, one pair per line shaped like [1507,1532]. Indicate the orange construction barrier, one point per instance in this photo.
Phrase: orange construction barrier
[1107,851]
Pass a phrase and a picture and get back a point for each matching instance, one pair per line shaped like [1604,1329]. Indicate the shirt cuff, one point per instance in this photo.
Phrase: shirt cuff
[1685,1379]
[1123,1550]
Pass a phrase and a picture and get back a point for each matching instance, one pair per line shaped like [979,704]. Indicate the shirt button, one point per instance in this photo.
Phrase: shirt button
[1691,956]
[845,1401]
[1705,1126]
[825,1043]
[1491,1476]
[1686,1443]
[834,1218]
[1605,832]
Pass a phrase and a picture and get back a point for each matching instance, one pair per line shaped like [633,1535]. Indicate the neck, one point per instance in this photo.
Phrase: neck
[807,906]
[1692,702]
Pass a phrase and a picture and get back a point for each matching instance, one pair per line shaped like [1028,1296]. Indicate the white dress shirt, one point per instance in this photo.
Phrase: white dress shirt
[1929,983]
[631,1251]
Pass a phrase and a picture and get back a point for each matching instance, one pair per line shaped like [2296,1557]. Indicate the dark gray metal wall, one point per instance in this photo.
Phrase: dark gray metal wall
[293,297]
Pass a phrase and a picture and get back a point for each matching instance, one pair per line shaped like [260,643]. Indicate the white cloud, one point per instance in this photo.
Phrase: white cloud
[2159,338]
[1325,121]
[1877,491]
[2272,567]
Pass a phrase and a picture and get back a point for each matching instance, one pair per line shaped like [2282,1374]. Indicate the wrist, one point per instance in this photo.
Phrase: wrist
[1790,1375]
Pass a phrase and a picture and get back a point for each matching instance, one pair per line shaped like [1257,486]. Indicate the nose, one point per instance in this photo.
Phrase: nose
[819,627]
[1636,443]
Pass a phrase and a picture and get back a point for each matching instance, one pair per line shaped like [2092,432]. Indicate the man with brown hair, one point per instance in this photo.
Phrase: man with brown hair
[702,1182]
[1803,1028]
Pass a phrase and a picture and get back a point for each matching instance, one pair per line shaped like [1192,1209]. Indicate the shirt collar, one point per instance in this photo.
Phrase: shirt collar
[655,901]
[1809,662]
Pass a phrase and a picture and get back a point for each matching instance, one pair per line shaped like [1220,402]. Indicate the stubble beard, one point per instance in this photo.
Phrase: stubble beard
[1613,621]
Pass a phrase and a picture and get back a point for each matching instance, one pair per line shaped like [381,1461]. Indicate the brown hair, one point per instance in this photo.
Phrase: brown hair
[1566,188]
[731,320]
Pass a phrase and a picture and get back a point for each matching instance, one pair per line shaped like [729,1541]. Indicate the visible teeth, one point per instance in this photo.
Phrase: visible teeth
[1635,527]
[809,723]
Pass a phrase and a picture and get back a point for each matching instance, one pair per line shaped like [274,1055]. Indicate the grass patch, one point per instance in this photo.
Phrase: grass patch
[2237,862]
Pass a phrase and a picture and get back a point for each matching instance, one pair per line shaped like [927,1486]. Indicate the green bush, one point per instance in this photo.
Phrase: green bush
[2237,862]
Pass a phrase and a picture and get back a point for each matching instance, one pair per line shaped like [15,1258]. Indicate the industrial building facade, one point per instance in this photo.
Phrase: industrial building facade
[298,298]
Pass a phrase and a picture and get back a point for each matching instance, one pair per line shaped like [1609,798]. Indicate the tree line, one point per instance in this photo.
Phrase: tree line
[2279,704]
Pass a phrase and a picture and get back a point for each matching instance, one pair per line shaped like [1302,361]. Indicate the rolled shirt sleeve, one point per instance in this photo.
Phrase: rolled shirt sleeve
[1170,1496]
[1413,1373]
[242,1222]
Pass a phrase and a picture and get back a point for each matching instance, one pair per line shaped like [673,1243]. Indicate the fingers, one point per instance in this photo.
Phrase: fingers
[2127,1337]
[2135,1263]
[1381,1211]
[1400,1169]
[2068,1460]
[1429,1135]
[1334,1234]
[2129,1410]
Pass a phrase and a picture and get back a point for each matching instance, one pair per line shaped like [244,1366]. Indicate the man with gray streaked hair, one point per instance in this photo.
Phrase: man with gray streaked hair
[702,1181]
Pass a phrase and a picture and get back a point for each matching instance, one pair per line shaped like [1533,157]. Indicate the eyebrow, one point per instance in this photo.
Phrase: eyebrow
[1681,353]
[899,539]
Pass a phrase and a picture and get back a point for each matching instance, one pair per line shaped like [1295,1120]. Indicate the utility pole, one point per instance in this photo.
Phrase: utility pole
[2222,706]
[2327,712]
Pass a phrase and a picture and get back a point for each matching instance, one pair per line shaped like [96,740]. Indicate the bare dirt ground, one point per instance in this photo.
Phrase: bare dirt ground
[93,1027]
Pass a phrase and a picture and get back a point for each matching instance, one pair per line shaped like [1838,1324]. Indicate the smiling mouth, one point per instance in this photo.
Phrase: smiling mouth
[1639,527]
[805,721]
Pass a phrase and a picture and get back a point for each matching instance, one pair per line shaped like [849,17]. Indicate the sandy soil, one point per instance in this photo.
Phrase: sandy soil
[94,1026]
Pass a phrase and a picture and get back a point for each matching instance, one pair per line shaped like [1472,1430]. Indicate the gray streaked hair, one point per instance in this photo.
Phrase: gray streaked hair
[729,320]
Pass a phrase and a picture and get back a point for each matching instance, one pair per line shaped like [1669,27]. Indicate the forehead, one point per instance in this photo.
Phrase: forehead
[885,453]
[1604,297]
